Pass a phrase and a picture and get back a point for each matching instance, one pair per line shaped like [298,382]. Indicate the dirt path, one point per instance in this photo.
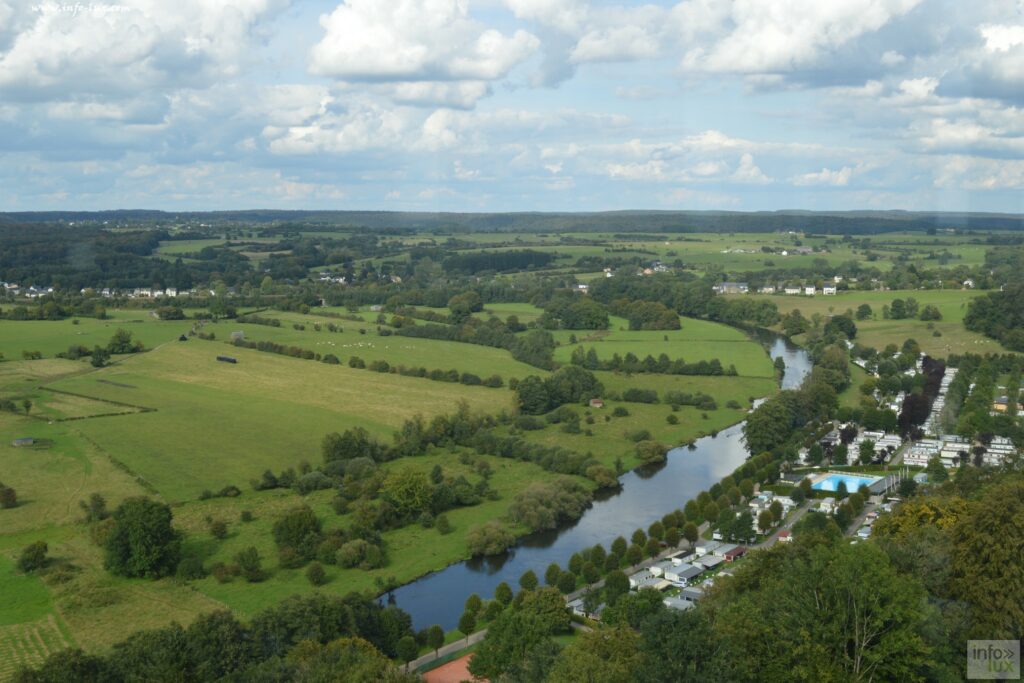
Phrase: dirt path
[454,671]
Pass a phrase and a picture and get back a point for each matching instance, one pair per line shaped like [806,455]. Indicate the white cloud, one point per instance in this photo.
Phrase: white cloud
[126,49]
[414,40]
[748,172]
[919,88]
[1002,38]
[620,43]
[564,15]
[826,176]
[975,173]
[360,127]
[772,37]
[892,58]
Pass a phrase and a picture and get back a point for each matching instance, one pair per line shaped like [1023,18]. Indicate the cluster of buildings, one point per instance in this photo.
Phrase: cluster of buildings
[885,444]
[801,290]
[31,292]
[952,450]
[656,267]
[933,424]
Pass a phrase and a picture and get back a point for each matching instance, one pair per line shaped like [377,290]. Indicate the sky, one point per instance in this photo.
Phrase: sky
[512,105]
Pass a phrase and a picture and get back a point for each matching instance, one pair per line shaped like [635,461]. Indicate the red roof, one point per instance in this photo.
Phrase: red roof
[735,552]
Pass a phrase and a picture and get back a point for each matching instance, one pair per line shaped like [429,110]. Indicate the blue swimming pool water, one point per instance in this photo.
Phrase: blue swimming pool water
[853,482]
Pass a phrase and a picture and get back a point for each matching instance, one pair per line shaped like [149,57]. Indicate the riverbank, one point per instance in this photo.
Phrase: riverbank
[644,497]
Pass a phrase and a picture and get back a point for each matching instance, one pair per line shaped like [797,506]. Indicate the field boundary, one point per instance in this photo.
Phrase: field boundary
[137,409]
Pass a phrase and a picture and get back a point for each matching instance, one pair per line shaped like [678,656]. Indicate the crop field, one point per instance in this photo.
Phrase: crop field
[879,332]
[216,424]
[29,628]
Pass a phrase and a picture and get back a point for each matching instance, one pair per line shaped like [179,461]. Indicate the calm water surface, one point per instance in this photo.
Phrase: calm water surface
[645,496]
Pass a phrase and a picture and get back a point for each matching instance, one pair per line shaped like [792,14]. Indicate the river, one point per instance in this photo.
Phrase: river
[645,496]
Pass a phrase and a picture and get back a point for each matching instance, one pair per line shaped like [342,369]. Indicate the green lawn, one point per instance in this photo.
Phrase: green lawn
[216,424]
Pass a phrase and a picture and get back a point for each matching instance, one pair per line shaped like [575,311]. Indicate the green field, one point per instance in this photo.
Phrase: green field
[396,350]
[879,332]
[51,337]
[216,424]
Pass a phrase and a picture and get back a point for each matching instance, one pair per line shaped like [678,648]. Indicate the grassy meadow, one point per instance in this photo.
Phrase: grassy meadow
[879,332]
[215,424]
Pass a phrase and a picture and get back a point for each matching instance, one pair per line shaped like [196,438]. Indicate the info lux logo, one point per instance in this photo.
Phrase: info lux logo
[993,659]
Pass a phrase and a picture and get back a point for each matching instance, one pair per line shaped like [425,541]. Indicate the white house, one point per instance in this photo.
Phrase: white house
[768,289]
[792,290]
[829,290]
[809,290]
[969,283]
[827,505]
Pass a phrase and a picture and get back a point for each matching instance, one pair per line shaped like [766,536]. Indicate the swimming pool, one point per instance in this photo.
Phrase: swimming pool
[853,482]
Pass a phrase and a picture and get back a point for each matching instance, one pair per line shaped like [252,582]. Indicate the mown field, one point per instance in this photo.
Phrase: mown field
[879,332]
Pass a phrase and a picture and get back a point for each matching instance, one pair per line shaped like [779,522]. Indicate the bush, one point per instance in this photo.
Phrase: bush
[356,362]
[251,565]
[8,497]
[444,527]
[316,574]
[638,435]
[313,481]
[191,568]
[359,553]
[33,557]
[672,419]
[529,423]
[620,411]
[491,538]
[330,359]
[218,529]
[635,395]
[246,516]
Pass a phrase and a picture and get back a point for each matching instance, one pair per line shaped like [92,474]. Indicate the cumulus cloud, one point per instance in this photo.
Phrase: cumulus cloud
[826,176]
[770,37]
[121,50]
[414,40]
[748,172]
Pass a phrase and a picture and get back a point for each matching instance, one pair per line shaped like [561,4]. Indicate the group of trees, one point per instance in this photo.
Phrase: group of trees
[901,606]
[316,637]
[573,312]
[999,315]
[775,421]
[569,384]
[120,343]
[662,365]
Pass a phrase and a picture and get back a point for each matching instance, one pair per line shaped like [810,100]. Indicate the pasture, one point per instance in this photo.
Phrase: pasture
[51,337]
[216,424]
[878,332]
[396,350]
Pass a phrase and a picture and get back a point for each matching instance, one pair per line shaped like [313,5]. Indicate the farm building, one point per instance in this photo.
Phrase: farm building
[24,441]
[596,403]
[227,359]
